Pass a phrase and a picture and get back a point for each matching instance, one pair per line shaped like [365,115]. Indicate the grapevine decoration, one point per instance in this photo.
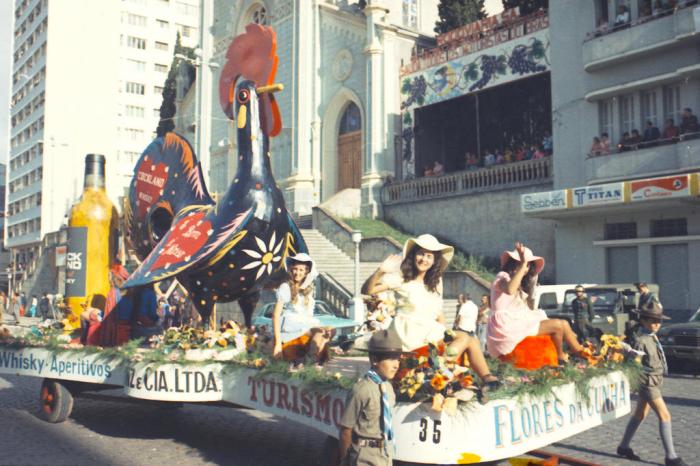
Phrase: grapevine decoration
[521,60]
[407,135]
[520,63]
[415,88]
[490,65]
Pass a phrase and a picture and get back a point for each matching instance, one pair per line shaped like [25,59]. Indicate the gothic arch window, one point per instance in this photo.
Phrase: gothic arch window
[258,14]
[351,120]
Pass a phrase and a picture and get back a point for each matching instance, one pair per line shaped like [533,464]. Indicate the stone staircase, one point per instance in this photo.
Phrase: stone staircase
[331,260]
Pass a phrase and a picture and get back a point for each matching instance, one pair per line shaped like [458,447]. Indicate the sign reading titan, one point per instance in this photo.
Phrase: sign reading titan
[611,193]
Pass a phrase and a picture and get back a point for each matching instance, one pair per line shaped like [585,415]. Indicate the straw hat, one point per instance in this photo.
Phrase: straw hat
[430,243]
[303,258]
[529,257]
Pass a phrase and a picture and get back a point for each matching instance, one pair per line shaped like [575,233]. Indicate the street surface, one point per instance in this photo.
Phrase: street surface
[121,433]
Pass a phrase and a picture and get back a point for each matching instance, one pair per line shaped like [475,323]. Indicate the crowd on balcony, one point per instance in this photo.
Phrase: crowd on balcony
[648,10]
[651,136]
[517,152]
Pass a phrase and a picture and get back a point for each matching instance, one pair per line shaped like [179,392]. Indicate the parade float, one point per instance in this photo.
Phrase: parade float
[227,251]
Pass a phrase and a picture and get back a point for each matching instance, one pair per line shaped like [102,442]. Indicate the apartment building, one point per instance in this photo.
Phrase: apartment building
[628,212]
[87,78]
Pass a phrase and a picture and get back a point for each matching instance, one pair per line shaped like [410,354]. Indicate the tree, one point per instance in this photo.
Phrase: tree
[168,107]
[526,6]
[456,13]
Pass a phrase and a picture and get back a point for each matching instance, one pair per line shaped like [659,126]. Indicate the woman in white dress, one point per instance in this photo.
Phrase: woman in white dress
[416,279]
[293,315]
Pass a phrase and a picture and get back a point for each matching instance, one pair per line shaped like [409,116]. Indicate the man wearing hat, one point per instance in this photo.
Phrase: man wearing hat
[366,432]
[582,307]
[654,366]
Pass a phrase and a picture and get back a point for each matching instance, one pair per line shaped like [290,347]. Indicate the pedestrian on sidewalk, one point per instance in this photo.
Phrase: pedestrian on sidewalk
[655,367]
[15,306]
[482,320]
[467,312]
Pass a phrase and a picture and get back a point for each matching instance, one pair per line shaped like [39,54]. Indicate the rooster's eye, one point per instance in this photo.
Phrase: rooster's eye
[243,96]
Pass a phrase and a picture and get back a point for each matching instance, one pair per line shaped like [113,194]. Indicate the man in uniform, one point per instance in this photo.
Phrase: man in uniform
[366,433]
[582,307]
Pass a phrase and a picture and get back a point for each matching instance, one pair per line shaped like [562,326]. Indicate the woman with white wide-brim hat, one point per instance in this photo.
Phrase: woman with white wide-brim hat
[416,279]
[513,317]
[293,315]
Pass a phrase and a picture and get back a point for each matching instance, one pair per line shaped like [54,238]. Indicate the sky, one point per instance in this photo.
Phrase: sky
[6,19]
[493,6]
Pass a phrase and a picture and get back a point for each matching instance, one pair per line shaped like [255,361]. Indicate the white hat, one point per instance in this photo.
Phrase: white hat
[430,243]
[302,257]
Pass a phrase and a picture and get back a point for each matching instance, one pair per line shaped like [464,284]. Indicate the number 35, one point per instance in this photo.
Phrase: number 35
[423,434]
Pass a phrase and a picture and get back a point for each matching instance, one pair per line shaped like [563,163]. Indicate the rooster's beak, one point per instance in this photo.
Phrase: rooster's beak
[269,88]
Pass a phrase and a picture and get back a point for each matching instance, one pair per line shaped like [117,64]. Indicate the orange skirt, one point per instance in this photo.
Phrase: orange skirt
[532,353]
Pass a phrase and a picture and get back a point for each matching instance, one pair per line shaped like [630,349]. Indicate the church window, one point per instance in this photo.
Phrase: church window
[351,121]
[410,13]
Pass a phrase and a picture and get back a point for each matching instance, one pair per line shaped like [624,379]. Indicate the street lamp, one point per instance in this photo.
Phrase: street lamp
[358,306]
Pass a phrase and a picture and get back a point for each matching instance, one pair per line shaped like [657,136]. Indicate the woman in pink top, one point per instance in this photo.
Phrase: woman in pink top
[513,316]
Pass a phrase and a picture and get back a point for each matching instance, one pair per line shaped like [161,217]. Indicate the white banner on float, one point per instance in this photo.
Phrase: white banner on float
[175,382]
[506,428]
[549,200]
[602,194]
[68,365]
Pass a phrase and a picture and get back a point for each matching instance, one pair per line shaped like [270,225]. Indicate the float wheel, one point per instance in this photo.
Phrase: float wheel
[331,452]
[55,401]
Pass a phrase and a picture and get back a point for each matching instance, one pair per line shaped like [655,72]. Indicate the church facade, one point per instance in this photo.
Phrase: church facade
[339,62]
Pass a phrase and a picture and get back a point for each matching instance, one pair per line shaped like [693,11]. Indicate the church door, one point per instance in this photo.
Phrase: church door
[350,149]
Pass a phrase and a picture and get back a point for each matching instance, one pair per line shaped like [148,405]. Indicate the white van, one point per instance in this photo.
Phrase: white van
[550,298]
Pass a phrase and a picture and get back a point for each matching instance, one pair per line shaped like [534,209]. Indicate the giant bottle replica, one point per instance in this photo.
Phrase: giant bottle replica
[92,241]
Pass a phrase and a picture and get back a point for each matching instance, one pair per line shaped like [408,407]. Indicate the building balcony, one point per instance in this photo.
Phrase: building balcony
[509,176]
[23,240]
[28,190]
[645,36]
[683,156]
[28,214]
[25,169]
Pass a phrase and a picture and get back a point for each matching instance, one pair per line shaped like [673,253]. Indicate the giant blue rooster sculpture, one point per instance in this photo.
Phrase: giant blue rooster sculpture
[224,251]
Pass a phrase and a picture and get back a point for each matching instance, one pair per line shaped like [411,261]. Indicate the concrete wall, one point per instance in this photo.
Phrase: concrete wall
[481,224]
[580,261]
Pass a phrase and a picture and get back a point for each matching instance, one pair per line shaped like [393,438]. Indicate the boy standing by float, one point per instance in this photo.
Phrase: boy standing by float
[366,434]
[655,366]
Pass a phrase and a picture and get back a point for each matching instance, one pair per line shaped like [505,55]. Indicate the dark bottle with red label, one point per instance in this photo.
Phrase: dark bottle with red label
[92,242]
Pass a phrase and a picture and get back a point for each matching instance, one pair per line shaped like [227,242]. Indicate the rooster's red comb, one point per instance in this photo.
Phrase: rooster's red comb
[251,55]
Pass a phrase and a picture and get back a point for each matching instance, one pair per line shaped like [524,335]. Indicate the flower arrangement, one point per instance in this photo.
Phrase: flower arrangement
[426,376]
[430,377]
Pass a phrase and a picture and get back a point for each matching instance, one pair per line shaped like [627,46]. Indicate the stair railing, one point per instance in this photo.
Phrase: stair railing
[332,292]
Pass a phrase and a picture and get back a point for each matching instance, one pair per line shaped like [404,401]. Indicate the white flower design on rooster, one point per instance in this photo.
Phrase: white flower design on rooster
[265,257]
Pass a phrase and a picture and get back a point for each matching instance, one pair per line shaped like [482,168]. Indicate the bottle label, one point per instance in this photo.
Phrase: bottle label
[76,262]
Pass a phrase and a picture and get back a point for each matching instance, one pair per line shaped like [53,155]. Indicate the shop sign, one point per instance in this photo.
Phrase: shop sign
[660,188]
[550,200]
[603,194]
[61,252]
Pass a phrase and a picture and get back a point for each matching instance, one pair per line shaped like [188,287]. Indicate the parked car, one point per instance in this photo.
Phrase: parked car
[550,298]
[681,342]
[322,311]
